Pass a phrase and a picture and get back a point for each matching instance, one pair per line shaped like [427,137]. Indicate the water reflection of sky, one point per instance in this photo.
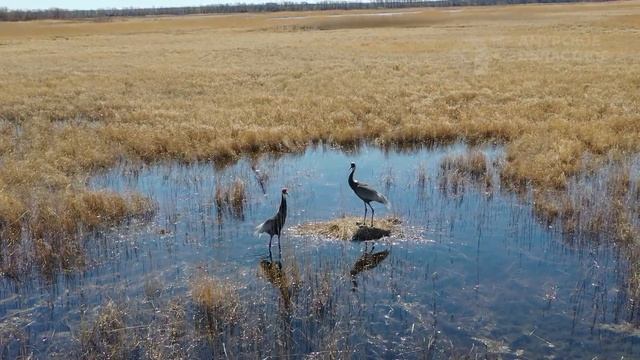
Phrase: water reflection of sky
[473,269]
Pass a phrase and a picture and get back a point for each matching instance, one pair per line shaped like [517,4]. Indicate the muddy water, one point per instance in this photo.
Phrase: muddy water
[470,271]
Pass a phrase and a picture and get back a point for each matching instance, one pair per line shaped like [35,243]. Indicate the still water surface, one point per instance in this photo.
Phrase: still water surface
[468,273]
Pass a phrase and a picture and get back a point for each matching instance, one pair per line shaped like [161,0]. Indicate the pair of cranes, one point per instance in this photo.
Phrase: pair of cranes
[273,226]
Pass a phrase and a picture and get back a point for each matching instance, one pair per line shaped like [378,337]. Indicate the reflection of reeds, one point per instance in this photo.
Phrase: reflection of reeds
[472,163]
[458,170]
[322,296]
[54,233]
[388,178]
[598,207]
[421,175]
[231,197]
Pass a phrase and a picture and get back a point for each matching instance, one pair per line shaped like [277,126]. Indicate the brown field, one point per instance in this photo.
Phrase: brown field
[552,82]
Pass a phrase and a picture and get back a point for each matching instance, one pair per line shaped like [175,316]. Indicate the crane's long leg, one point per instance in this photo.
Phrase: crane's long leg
[271,238]
[372,212]
[279,248]
[364,222]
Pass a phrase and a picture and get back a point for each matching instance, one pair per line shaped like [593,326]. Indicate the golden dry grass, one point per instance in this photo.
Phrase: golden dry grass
[231,197]
[216,301]
[467,169]
[473,164]
[551,81]
[348,228]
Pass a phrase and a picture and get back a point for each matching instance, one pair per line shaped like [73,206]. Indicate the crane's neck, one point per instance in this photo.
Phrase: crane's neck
[352,182]
[283,205]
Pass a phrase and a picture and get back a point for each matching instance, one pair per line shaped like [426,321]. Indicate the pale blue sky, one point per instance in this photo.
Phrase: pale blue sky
[107,4]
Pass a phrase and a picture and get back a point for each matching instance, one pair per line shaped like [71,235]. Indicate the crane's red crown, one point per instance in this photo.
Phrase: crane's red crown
[284,190]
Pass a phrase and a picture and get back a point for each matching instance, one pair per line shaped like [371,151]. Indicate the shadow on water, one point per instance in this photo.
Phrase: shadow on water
[474,271]
[365,233]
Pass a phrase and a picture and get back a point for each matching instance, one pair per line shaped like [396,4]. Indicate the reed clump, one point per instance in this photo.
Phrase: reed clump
[421,176]
[216,302]
[108,337]
[48,235]
[231,197]
[458,171]
[472,164]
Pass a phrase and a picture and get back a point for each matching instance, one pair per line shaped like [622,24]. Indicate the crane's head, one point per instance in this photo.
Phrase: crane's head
[284,191]
[353,166]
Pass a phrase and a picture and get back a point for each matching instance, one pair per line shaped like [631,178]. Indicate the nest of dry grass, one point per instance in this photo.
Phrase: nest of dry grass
[349,228]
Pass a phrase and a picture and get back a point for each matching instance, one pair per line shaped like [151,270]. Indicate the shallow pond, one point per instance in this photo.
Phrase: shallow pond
[469,271]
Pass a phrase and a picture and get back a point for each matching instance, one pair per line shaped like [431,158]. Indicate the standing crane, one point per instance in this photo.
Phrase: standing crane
[274,225]
[366,193]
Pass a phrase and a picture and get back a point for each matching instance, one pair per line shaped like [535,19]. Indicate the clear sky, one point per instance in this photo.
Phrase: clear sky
[107,4]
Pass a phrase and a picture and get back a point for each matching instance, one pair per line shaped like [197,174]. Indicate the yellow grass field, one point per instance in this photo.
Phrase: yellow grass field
[552,82]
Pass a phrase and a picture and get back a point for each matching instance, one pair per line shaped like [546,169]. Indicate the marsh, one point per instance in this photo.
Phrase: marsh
[467,272]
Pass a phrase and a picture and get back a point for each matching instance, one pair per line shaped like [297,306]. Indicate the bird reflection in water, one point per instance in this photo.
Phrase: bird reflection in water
[274,273]
[287,284]
[367,261]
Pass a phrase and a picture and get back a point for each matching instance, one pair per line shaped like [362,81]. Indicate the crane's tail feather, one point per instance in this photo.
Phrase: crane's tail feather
[385,201]
[259,229]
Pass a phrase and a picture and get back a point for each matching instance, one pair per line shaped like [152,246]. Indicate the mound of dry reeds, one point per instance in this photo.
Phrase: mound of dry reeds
[349,228]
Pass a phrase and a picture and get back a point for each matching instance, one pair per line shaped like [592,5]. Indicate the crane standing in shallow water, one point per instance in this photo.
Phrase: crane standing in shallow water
[366,193]
[274,225]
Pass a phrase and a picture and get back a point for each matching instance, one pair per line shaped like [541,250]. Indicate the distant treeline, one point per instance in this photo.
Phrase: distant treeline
[54,13]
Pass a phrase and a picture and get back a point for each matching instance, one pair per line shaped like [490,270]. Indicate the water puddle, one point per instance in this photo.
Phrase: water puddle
[471,270]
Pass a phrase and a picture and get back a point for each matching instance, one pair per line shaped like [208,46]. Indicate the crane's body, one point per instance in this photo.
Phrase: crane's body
[366,193]
[274,225]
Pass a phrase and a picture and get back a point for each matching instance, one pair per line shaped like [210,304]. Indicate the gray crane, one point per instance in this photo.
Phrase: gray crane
[274,225]
[366,193]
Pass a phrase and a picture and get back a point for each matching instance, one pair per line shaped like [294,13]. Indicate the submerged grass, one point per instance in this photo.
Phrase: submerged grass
[216,302]
[108,336]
